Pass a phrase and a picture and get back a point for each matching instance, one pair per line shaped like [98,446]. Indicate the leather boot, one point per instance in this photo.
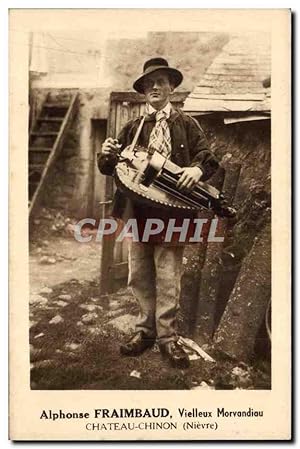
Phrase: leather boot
[137,344]
[174,354]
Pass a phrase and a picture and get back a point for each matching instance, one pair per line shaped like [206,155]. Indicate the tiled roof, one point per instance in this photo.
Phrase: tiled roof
[234,81]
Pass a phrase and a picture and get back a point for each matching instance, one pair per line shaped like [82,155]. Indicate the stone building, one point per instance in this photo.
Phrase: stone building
[94,65]
[232,102]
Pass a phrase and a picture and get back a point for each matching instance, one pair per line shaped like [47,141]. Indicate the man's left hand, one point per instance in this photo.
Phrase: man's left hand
[189,178]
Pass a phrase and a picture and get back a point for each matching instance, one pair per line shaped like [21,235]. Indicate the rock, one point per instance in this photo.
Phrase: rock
[115,313]
[45,243]
[237,337]
[43,363]
[56,320]
[39,335]
[72,355]
[38,299]
[65,297]
[203,386]
[61,303]
[89,318]
[32,323]
[95,299]
[36,221]
[237,371]
[46,290]
[94,330]
[242,377]
[79,323]
[72,346]
[135,373]
[115,304]
[124,323]
[89,307]
[226,157]
[47,260]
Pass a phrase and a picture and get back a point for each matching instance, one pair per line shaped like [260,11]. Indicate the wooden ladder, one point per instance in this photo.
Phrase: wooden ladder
[45,144]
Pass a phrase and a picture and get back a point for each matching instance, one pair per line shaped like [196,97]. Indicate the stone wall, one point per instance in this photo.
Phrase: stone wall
[122,61]
[247,143]
[73,177]
[210,273]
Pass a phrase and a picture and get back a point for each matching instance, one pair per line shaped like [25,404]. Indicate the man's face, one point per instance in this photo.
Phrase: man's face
[157,89]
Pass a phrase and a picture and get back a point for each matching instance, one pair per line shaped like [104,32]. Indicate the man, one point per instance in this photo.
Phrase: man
[154,267]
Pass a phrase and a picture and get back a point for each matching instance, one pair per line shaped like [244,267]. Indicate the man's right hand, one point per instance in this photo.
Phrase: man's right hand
[110,147]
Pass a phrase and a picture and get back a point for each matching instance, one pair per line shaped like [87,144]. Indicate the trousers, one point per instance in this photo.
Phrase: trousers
[154,277]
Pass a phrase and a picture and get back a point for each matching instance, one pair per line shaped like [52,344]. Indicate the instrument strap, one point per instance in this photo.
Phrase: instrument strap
[137,134]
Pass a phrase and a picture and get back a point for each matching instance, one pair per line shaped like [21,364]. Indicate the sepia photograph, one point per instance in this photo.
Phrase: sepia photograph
[150,226]
[204,306]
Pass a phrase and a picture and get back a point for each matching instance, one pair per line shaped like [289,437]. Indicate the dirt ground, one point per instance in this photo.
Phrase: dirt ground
[76,260]
[75,333]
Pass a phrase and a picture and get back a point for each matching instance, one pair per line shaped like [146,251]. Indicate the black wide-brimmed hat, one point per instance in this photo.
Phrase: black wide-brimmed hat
[153,65]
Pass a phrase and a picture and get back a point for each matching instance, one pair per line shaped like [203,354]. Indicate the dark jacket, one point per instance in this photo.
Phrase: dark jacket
[189,148]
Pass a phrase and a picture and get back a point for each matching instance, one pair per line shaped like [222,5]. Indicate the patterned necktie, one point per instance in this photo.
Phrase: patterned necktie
[160,138]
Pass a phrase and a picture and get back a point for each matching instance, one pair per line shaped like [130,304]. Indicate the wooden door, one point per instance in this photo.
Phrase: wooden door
[124,106]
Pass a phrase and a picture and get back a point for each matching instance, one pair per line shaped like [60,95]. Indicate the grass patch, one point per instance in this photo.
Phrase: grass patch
[69,356]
